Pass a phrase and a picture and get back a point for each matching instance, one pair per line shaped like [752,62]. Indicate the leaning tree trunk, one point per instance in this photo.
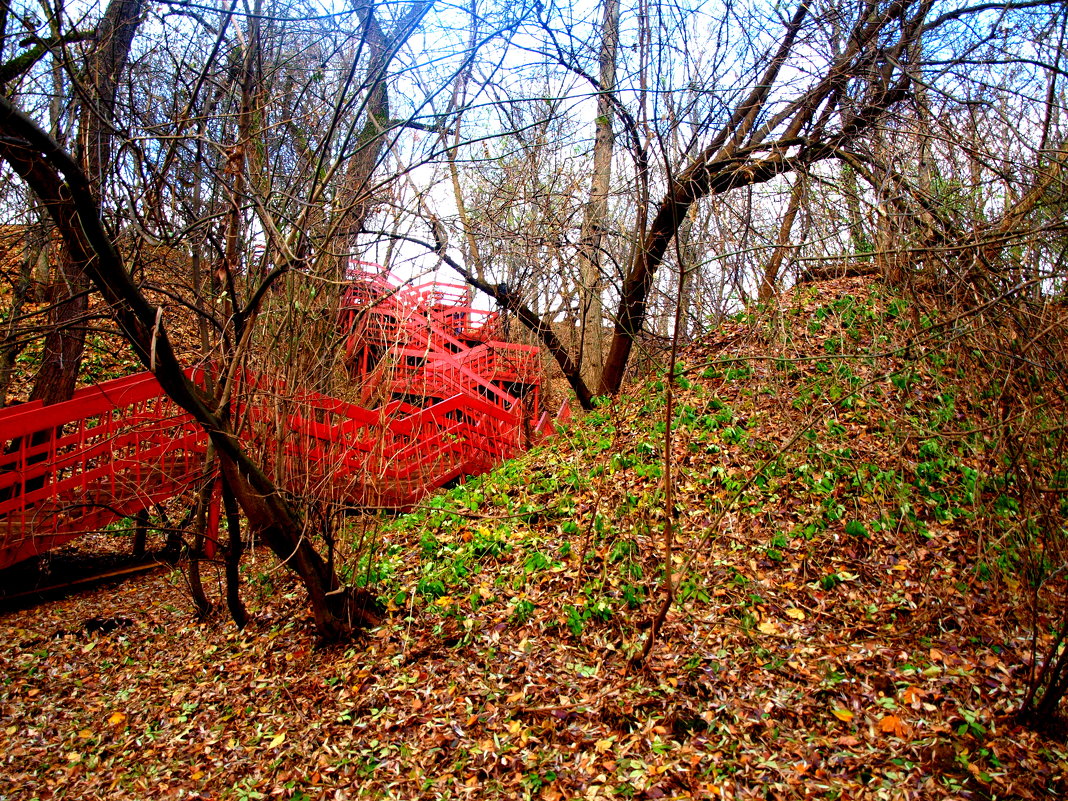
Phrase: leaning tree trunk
[65,191]
[769,281]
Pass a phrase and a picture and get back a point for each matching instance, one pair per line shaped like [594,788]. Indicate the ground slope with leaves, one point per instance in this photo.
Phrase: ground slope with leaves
[107,352]
[842,630]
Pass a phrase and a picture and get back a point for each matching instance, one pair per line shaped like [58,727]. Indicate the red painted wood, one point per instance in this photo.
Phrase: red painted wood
[453,406]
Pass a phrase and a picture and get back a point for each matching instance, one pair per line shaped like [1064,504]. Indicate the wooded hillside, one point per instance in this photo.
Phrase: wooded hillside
[790,278]
[862,600]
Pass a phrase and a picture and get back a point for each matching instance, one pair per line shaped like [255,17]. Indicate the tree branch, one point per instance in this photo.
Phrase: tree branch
[510,302]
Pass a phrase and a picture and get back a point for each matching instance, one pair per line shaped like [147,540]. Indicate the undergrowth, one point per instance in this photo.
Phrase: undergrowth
[836,433]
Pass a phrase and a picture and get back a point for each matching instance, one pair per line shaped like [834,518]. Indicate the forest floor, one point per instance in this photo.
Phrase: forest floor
[847,625]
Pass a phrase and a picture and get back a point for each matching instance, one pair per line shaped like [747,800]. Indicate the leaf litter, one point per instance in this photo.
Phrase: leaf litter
[830,637]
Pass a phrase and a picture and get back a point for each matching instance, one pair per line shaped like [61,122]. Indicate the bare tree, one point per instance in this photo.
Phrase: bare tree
[702,117]
[109,52]
[284,175]
[595,217]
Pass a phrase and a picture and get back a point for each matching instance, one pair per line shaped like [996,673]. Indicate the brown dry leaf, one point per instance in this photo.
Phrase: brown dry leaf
[406,685]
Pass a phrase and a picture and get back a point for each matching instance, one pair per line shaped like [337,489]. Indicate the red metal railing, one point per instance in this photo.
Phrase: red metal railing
[109,452]
[454,401]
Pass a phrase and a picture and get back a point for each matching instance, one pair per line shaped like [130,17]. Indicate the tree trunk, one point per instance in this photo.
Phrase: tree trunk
[39,161]
[591,320]
[201,603]
[234,550]
[769,281]
[858,238]
[140,542]
[64,345]
[13,342]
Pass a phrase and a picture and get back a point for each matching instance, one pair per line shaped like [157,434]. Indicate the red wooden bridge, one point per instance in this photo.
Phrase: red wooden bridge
[441,396]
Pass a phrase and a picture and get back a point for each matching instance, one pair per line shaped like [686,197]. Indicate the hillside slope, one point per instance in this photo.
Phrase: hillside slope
[847,625]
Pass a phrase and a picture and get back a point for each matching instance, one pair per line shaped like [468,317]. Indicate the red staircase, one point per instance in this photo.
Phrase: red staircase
[441,397]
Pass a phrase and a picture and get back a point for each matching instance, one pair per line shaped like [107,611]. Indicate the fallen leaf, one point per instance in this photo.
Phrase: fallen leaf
[843,715]
[911,694]
[277,740]
[795,613]
[892,724]
[767,627]
[117,718]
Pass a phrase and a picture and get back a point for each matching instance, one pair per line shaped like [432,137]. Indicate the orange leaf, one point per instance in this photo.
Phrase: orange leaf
[891,724]
[117,718]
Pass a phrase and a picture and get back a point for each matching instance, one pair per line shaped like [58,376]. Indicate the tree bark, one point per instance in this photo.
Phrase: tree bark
[33,245]
[769,281]
[66,191]
[234,550]
[591,321]
[64,345]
